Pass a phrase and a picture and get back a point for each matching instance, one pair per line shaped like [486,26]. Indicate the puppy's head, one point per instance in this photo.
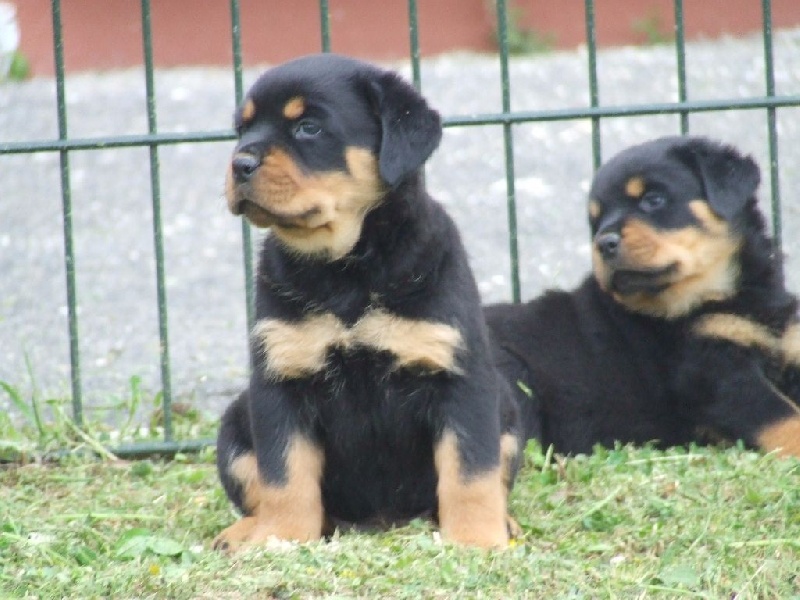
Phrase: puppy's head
[321,140]
[666,222]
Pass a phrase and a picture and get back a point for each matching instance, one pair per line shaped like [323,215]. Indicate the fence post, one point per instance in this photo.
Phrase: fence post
[158,236]
[777,225]
[508,141]
[66,202]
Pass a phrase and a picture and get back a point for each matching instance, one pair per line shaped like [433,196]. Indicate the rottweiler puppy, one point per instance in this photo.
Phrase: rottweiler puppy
[684,332]
[373,398]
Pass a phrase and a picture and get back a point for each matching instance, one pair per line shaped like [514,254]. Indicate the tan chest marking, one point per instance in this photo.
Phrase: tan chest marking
[296,349]
[299,348]
[790,344]
[736,329]
[749,334]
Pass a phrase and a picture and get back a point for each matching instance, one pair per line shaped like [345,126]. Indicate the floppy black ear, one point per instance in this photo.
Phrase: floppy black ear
[729,178]
[410,129]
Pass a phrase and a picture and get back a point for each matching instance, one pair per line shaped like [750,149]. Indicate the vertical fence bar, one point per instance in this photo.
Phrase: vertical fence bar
[325,25]
[769,67]
[680,51]
[247,235]
[413,31]
[158,237]
[66,206]
[508,140]
[594,93]
[236,47]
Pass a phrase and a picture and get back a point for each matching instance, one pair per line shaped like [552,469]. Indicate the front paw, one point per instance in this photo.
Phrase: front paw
[251,531]
[490,536]
[513,528]
[234,537]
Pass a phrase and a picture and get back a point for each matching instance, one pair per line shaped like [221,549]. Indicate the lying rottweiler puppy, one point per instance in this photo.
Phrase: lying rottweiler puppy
[685,332]
[372,399]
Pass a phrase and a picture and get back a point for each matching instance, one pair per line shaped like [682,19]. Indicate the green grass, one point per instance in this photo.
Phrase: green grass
[704,523]
[40,426]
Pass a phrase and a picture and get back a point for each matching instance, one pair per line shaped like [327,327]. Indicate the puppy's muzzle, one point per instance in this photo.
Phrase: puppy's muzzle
[624,276]
[608,244]
[244,167]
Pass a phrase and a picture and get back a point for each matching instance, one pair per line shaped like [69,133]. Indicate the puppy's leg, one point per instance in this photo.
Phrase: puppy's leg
[275,480]
[728,392]
[759,414]
[233,441]
[782,436]
[473,473]
[510,456]
[472,503]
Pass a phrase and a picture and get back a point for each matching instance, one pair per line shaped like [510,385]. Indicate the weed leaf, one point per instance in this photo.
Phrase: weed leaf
[680,574]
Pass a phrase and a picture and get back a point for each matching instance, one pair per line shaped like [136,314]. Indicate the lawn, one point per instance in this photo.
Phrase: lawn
[626,523]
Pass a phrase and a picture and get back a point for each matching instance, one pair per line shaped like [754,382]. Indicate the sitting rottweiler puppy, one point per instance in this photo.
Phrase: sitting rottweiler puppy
[372,399]
[684,333]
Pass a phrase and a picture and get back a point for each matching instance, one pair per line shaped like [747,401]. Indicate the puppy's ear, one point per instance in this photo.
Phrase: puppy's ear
[729,178]
[410,129]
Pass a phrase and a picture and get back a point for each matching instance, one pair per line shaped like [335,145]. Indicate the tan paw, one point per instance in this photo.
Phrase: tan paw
[232,538]
[489,538]
[513,528]
[251,531]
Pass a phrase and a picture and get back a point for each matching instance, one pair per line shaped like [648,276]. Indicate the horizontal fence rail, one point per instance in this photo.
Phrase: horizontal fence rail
[506,119]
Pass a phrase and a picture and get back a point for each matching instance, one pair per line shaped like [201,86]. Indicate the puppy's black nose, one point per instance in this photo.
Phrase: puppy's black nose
[243,166]
[608,244]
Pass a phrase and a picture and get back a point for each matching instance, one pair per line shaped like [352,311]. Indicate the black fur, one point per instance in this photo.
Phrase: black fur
[376,424]
[603,368]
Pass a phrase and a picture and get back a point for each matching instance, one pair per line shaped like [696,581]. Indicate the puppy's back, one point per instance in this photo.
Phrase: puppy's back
[580,369]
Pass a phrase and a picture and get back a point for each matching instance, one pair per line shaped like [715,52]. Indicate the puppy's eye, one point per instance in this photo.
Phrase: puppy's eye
[652,201]
[306,129]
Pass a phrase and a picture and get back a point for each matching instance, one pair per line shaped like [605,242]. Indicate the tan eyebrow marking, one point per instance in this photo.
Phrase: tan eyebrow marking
[294,107]
[635,187]
[248,110]
[594,209]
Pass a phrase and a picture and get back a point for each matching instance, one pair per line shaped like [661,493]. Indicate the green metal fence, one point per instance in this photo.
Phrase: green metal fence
[506,119]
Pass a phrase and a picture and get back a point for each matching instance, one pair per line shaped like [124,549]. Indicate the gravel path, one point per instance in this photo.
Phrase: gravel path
[112,210]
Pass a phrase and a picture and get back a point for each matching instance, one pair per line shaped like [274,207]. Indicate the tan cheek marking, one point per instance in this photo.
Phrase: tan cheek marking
[292,511]
[782,437]
[706,269]
[736,329]
[230,188]
[298,349]
[343,199]
[641,244]
[248,110]
[277,184]
[594,209]
[471,511]
[294,107]
[427,344]
[634,187]
[600,269]
[714,224]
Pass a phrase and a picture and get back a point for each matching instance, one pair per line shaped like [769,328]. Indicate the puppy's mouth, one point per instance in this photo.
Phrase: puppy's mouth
[626,282]
[262,217]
